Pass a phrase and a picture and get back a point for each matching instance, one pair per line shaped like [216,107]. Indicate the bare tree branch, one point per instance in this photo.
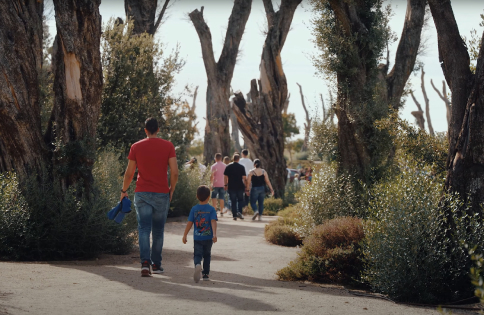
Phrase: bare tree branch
[443,97]
[427,105]
[160,17]
[419,113]
[307,125]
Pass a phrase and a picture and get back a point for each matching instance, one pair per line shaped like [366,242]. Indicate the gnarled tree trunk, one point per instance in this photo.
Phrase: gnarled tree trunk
[261,121]
[143,13]
[219,75]
[356,132]
[77,87]
[21,144]
[465,165]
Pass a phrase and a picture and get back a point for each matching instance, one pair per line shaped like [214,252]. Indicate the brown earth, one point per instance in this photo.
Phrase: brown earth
[243,281]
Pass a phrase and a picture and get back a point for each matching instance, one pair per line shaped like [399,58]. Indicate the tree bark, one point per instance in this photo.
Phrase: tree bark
[77,86]
[235,129]
[356,132]
[261,121]
[143,13]
[443,97]
[21,144]
[219,75]
[307,124]
[465,165]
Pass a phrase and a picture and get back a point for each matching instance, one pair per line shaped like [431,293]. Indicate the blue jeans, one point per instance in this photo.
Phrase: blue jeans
[151,212]
[237,201]
[257,194]
[220,191]
[202,249]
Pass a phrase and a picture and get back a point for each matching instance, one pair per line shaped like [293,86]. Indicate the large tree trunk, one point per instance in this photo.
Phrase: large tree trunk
[143,13]
[219,75]
[356,132]
[465,165]
[21,144]
[261,121]
[78,87]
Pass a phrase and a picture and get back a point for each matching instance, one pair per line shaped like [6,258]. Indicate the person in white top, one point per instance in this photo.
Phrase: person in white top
[248,165]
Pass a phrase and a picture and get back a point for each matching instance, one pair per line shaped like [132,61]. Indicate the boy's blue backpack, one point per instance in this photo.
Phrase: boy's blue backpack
[117,213]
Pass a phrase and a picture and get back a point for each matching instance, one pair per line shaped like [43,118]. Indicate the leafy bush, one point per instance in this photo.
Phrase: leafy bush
[277,232]
[302,156]
[272,206]
[327,197]
[331,253]
[290,194]
[40,221]
[185,196]
[413,250]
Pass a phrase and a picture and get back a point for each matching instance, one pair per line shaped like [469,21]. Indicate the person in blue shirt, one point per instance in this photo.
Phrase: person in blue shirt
[204,216]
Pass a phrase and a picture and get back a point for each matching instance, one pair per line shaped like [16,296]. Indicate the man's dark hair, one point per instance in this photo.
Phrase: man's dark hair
[203,192]
[236,157]
[151,124]
[218,156]
[245,152]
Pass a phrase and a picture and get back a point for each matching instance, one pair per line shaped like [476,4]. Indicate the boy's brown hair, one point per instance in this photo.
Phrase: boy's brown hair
[203,192]
[218,157]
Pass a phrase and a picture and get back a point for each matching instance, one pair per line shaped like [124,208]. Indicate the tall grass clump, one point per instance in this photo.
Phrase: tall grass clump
[414,247]
[40,221]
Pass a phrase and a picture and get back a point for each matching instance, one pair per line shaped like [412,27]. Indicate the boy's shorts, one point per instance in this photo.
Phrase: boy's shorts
[220,191]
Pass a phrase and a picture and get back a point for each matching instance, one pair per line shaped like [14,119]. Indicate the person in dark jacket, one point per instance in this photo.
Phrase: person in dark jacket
[234,178]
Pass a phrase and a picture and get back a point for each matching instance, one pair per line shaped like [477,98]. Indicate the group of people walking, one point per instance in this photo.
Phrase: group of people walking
[245,182]
[243,179]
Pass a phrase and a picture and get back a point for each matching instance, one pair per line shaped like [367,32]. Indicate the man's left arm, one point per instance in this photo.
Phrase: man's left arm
[128,178]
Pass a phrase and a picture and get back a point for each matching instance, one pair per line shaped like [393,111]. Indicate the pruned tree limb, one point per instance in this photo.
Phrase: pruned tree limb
[307,125]
[427,105]
[443,97]
[419,113]
[160,17]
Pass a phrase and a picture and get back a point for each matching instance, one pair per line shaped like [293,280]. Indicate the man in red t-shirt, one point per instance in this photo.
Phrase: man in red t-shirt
[152,156]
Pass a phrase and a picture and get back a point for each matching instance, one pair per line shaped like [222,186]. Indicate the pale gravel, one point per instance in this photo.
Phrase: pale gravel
[243,282]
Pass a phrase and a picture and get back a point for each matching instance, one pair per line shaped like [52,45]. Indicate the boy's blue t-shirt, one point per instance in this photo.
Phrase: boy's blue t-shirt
[202,216]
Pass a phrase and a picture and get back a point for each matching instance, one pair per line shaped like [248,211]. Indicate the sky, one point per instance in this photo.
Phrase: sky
[296,54]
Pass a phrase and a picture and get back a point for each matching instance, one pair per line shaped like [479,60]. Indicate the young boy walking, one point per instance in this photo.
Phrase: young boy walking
[204,216]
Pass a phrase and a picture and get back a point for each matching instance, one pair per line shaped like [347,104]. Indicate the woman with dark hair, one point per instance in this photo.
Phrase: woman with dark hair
[259,179]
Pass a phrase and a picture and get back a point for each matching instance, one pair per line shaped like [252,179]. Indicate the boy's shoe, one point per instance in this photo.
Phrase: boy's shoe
[221,214]
[240,216]
[197,273]
[156,269]
[145,269]
[255,215]
[205,278]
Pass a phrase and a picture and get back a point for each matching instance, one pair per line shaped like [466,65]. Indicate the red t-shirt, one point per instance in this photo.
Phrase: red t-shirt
[151,156]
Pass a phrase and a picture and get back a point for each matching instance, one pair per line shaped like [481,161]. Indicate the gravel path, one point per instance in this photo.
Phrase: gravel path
[243,281]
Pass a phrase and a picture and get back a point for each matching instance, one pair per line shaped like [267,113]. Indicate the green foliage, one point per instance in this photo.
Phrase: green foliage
[272,206]
[327,197]
[279,233]
[185,196]
[477,273]
[290,127]
[474,45]
[302,156]
[41,221]
[138,79]
[196,148]
[290,193]
[413,249]
[324,140]
[330,254]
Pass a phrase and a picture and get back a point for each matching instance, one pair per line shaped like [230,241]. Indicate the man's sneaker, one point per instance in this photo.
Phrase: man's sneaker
[260,218]
[255,215]
[197,273]
[205,278]
[145,269]
[235,219]
[240,216]
[156,269]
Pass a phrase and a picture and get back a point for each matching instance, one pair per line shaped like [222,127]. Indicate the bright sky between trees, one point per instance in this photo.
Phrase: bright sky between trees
[296,54]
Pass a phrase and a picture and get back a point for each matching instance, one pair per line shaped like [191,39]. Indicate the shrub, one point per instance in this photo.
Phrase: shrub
[331,253]
[327,197]
[40,221]
[290,192]
[185,196]
[272,206]
[413,250]
[277,232]
[302,156]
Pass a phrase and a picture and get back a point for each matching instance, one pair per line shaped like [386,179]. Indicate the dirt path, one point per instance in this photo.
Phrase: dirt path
[243,267]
